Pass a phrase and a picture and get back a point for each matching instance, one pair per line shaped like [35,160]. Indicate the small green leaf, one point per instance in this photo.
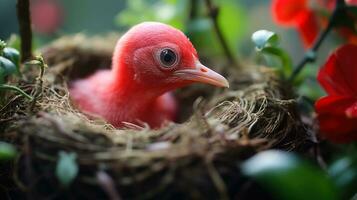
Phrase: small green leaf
[7,151]
[13,55]
[67,168]
[263,38]
[287,177]
[6,68]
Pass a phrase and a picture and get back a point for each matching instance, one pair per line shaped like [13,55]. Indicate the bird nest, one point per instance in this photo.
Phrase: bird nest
[197,158]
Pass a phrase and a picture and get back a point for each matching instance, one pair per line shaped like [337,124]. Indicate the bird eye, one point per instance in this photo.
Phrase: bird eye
[168,58]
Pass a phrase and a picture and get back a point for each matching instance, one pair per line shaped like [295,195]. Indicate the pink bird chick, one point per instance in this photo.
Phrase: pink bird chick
[149,61]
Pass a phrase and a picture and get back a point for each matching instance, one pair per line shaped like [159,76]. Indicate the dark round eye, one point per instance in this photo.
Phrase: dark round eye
[168,57]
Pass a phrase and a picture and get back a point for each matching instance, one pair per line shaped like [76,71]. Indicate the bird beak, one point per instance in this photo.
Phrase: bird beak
[202,74]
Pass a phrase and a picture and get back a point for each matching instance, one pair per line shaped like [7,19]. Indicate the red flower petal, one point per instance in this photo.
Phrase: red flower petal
[335,125]
[308,27]
[334,104]
[285,12]
[338,75]
[351,2]
[351,112]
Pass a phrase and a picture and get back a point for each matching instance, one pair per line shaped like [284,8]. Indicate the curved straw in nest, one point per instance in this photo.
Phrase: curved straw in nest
[196,159]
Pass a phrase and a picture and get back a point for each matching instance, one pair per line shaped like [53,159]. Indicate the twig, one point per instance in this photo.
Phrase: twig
[310,55]
[108,185]
[213,13]
[193,9]
[39,80]
[23,15]
[217,180]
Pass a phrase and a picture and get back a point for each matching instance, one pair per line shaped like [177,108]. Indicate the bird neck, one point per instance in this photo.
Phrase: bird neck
[126,91]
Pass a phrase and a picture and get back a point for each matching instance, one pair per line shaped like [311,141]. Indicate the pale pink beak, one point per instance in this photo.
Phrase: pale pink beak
[202,74]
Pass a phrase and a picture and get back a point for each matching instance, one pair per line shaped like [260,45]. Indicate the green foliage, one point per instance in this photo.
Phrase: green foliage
[288,177]
[7,151]
[231,19]
[9,65]
[13,55]
[344,174]
[67,168]
[307,84]
[9,61]
[7,68]
[166,11]
[267,44]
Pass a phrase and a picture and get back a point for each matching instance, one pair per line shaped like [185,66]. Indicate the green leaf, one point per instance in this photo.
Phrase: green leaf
[344,174]
[6,68]
[67,168]
[12,54]
[7,151]
[287,177]
[232,20]
[264,38]
[284,58]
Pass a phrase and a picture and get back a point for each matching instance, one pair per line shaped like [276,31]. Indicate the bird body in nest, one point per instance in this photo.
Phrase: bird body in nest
[149,61]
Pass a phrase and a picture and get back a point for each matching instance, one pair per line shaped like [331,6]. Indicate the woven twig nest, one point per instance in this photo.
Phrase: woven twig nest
[198,158]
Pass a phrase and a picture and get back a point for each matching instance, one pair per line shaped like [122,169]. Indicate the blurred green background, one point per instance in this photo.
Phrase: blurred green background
[238,19]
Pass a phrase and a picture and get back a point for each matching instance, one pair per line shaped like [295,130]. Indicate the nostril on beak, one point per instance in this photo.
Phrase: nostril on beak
[203,70]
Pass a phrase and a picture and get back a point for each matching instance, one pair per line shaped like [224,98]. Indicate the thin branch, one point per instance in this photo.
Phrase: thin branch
[108,185]
[193,9]
[23,15]
[213,13]
[310,55]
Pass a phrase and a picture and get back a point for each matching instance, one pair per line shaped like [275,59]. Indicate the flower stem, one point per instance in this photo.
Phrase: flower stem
[213,13]
[14,88]
[310,55]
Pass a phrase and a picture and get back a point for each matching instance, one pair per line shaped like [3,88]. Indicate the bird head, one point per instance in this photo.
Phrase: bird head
[160,56]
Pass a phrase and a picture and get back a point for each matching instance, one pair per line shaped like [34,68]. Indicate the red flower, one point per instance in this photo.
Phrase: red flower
[296,13]
[337,112]
[46,16]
